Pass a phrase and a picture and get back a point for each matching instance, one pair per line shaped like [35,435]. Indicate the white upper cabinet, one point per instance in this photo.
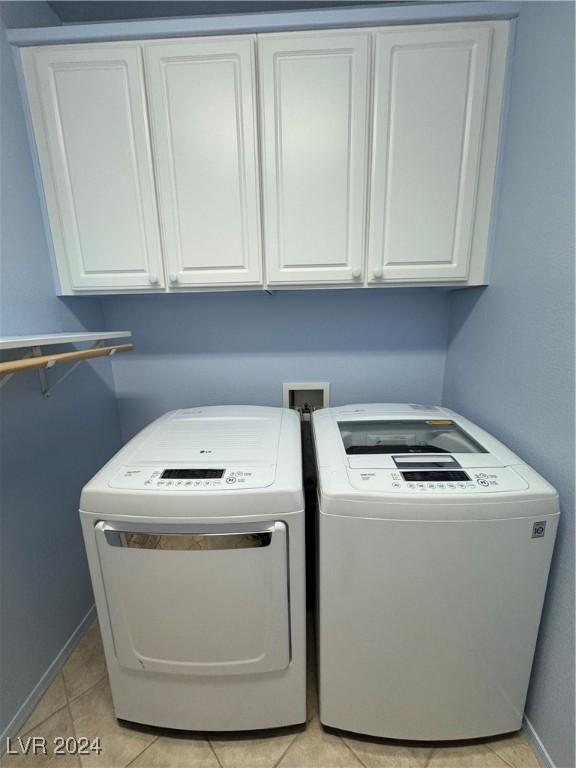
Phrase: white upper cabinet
[202,103]
[88,109]
[315,124]
[354,157]
[437,101]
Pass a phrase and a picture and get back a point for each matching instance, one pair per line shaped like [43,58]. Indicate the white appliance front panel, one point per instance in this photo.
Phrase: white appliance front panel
[428,629]
[412,481]
[389,461]
[233,478]
[197,600]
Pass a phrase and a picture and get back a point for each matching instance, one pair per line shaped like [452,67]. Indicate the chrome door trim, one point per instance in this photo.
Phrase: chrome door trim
[190,538]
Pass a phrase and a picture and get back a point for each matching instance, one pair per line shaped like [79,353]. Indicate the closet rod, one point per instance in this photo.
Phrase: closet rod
[47,361]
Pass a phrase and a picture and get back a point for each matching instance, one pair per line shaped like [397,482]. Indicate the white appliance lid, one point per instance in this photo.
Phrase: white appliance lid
[393,436]
[215,436]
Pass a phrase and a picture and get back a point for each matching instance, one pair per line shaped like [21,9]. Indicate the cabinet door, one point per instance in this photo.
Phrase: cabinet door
[314,91]
[203,119]
[89,113]
[431,96]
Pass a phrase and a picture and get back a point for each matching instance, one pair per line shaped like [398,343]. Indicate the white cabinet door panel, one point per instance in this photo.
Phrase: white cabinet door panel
[89,113]
[314,92]
[430,96]
[203,119]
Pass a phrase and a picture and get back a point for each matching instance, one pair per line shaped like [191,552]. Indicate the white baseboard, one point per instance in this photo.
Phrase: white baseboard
[541,752]
[42,685]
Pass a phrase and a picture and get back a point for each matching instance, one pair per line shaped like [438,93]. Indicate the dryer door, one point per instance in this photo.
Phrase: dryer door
[207,600]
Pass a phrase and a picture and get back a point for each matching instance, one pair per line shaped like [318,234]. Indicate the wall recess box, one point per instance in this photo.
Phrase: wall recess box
[306,396]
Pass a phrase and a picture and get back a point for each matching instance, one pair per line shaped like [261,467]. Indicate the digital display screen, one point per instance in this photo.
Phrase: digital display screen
[447,475]
[192,474]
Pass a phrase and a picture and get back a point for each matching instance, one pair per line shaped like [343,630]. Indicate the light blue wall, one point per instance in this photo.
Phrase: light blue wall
[200,349]
[509,366]
[510,362]
[48,448]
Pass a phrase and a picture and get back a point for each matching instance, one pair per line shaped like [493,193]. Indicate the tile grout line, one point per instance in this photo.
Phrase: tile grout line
[70,699]
[69,708]
[354,753]
[68,705]
[284,753]
[499,756]
[75,698]
[154,740]
[45,720]
[55,711]
[214,753]
[92,685]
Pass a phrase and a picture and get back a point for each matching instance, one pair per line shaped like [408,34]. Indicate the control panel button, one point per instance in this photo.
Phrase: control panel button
[483,482]
[230,480]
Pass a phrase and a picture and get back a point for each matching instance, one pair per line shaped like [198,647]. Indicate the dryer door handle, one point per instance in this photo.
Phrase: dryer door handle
[225,537]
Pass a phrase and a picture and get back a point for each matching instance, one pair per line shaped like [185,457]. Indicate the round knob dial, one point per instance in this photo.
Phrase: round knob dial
[173,277]
[153,279]
[378,273]
[356,273]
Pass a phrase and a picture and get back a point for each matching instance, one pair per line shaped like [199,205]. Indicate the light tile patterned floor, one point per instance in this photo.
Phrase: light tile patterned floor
[79,703]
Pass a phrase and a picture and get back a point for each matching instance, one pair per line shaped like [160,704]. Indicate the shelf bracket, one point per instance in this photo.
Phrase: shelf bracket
[44,387]
[5,377]
[37,352]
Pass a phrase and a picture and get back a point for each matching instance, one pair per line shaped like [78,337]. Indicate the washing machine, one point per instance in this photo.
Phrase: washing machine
[435,543]
[195,539]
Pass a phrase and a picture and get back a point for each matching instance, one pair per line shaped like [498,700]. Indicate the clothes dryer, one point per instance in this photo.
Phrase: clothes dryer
[195,540]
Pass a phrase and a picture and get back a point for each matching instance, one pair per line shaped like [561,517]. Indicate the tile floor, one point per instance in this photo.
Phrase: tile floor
[79,703]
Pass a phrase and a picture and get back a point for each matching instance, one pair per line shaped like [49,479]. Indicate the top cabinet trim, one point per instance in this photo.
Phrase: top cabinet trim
[274,21]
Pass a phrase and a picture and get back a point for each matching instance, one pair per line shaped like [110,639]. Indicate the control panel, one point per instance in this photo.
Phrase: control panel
[193,478]
[440,481]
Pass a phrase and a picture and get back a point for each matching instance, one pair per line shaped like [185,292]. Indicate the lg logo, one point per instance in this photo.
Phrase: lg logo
[538,529]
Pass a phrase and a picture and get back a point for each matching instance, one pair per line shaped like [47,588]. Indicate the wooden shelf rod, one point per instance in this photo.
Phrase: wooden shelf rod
[47,361]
